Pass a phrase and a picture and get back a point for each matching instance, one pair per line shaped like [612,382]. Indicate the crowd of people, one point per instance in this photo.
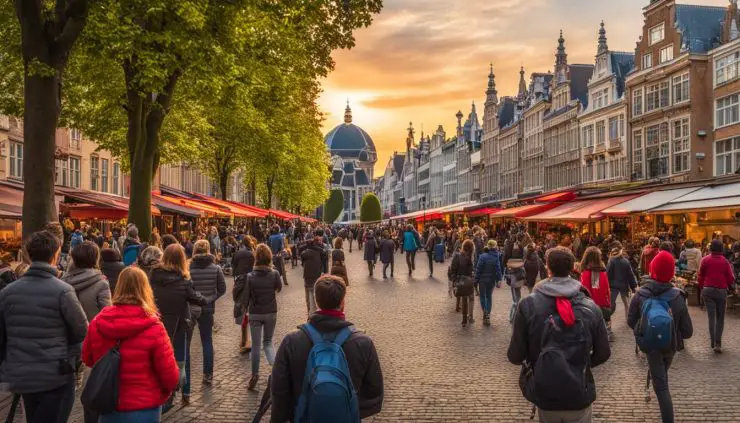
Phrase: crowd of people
[78,294]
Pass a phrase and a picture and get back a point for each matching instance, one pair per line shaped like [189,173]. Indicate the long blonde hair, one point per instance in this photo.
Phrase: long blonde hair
[174,260]
[133,288]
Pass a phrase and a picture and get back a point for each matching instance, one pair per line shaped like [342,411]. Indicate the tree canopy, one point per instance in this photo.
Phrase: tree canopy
[370,210]
[334,206]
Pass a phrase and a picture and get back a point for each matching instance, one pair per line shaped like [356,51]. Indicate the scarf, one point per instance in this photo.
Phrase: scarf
[332,313]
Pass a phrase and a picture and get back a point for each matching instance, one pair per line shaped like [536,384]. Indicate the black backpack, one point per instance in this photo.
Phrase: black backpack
[101,390]
[561,378]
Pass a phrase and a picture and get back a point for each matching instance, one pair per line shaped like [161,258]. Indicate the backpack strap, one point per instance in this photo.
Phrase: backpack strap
[315,335]
[343,335]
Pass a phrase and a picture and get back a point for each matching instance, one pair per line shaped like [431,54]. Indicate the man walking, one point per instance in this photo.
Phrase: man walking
[42,326]
[716,278]
[313,256]
[288,384]
[559,335]
[277,245]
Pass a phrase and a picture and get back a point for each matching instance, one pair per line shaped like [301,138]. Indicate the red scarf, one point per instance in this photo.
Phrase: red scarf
[332,313]
[565,310]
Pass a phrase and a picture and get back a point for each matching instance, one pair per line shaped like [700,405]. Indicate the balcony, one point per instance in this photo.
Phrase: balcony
[600,148]
[588,151]
[615,146]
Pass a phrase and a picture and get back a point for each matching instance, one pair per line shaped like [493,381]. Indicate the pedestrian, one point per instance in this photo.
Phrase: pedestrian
[557,354]
[461,270]
[42,326]
[594,279]
[621,278]
[173,292]
[534,267]
[148,373]
[337,261]
[277,244]
[155,240]
[691,256]
[259,299]
[89,283]
[208,280]
[111,266]
[312,258]
[514,272]
[168,240]
[371,251]
[290,390]
[716,277]
[131,246]
[387,249]
[669,302]
[648,254]
[488,273]
[351,235]
[411,243]
[432,240]
[242,264]
[214,240]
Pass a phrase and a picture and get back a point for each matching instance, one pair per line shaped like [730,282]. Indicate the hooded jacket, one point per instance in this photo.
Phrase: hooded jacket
[683,329]
[256,292]
[92,290]
[715,272]
[692,257]
[242,262]
[111,270]
[371,247]
[620,274]
[290,367]
[648,254]
[173,294]
[488,270]
[313,256]
[148,372]
[208,278]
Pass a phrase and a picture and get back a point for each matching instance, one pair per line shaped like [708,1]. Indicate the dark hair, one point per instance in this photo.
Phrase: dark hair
[263,255]
[468,247]
[168,240]
[319,232]
[41,246]
[716,246]
[275,229]
[86,255]
[560,261]
[56,229]
[329,291]
[109,254]
[688,244]
[592,259]
[667,246]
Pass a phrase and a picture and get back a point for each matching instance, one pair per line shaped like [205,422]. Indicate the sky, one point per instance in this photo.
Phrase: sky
[423,60]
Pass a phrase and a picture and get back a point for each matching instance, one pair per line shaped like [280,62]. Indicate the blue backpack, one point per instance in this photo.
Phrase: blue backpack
[75,240]
[131,254]
[655,329]
[328,394]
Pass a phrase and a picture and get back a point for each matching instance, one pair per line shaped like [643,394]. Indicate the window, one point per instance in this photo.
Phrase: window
[657,150]
[681,88]
[657,33]
[725,68]
[600,132]
[76,136]
[621,125]
[638,158]
[665,92]
[588,136]
[116,176]
[681,145]
[74,172]
[600,168]
[104,175]
[637,102]
[61,175]
[728,110]
[666,54]
[614,128]
[94,168]
[727,156]
[656,96]
[601,98]
[647,61]
[16,160]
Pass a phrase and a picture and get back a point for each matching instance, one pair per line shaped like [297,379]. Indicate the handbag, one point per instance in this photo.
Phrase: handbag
[464,286]
[101,390]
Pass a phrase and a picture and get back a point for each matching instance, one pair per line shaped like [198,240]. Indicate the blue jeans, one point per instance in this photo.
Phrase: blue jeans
[205,328]
[150,415]
[486,296]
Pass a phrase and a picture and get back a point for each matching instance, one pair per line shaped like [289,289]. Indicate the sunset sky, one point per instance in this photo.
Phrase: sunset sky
[423,60]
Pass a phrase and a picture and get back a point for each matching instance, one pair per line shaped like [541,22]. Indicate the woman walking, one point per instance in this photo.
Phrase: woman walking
[411,243]
[487,274]
[715,278]
[387,248]
[594,279]
[259,299]
[371,250]
[515,274]
[432,240]
[461,271]
[337,261]
[242,264]
[148,374]
[621,278]
[533,267]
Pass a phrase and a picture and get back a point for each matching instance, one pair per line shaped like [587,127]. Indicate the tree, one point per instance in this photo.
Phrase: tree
[334,206]
[36,48]
[370,209]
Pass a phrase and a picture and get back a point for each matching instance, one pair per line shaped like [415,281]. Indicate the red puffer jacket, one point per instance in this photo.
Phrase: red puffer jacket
[148,372]
[600,295]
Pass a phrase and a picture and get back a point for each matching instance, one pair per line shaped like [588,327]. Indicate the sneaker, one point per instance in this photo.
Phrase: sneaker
[253,382]
[464,323]
[207,379]
[718,349]
[185,399]
[487,321]
[245,350]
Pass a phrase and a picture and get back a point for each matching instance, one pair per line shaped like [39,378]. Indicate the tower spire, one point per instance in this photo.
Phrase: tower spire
[491,93]
[603,47]
[561,60]
[522,85]
[347,114]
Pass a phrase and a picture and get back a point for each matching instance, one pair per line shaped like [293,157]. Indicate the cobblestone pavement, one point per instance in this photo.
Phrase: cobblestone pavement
[436,371]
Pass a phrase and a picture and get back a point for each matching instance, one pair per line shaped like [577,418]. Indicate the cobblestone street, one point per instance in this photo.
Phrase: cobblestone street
[435,370]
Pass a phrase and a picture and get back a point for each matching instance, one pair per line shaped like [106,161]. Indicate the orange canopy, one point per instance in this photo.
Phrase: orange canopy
[581,210]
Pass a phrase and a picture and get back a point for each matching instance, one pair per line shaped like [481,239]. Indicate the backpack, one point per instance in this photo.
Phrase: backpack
[654,331]
[131,254]
[560,379]
[101,389]
[7,276]
[75,240]
[328,394]
[439,253]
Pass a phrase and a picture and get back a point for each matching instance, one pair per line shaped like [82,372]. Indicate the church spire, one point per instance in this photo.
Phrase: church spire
[491,93]
[409,140]
[603,47]
[347,114]
[561,61]
[522,85]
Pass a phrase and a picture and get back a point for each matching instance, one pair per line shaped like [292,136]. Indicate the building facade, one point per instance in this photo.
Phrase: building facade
[468,143]
[436,160]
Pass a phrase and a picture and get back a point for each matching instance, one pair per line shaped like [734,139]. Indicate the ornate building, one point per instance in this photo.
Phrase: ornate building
[469,137]
[353,156]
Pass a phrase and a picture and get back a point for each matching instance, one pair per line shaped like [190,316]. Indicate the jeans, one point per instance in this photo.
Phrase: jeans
[574,416]
[467,307]
[205,328]
[150,415]
[516,295]
[259,325]
[53,406]
[411,260]
[625,300]
[430,256]
[350,244]
[310,301]
[385,267]
[659,363]
[715,300]
[486,296]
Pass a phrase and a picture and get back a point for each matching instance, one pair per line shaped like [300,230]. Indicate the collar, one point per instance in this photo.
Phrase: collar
[332,313]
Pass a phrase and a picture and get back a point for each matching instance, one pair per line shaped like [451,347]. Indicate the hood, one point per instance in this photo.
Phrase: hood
[81,279]
[328,323]
[123,321]
[558,287]
[41,269]
[203,260]
[129,242]
[262,270]
[165,277]
[655,287]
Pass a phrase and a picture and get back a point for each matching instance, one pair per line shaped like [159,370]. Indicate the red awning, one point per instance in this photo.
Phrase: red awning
[260,212]
[175,207]
[581,210]
[95,205]
[232,208]
[524,211]
[483,211]
[208,209]
[11,202]
[283,215]
[556,197]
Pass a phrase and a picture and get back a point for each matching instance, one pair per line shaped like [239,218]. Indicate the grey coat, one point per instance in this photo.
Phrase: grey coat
[208,278]
[92,290]
[42,326]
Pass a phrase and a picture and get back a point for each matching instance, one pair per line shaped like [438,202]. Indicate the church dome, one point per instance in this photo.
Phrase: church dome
[349,141]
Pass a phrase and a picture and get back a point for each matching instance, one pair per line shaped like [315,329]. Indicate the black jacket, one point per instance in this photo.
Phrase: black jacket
[681,319]
[242,262]
[208,278]
[620,274]
[173,294]
[461,265]
[290,367]
[111,270]
[255,293]
[313,256]
[534,266]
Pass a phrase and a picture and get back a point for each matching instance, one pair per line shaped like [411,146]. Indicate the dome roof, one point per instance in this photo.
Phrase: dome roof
[349,141]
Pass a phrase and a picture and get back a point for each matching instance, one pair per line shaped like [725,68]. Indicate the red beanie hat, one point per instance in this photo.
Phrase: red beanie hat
[663,267]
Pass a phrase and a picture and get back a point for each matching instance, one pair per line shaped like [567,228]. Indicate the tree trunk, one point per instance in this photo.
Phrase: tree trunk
[223,184]
[42,107]
[140,200]
[270,183]
[253,190]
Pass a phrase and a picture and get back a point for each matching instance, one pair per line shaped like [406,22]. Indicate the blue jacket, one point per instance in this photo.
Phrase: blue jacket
[489,269]
[411,241]
[277,243]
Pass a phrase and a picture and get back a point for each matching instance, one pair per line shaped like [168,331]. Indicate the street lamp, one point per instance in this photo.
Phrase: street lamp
[424,209]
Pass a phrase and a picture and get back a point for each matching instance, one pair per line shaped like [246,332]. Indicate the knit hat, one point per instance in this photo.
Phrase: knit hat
[492,244]
[663,267]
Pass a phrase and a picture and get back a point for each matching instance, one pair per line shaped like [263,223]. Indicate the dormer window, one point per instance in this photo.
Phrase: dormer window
[647,61]
[657,33]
